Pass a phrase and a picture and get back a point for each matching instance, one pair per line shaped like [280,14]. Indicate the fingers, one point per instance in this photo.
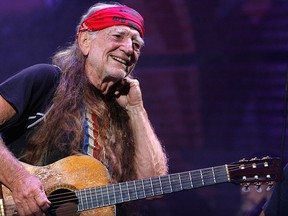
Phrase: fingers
[42,201]
[123,87]
[32,207]
[30,198]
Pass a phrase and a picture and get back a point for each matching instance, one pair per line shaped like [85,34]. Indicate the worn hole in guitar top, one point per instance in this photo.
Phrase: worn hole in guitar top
[63,203]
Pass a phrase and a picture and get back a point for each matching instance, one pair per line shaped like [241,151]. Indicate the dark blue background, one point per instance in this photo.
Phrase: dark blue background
[212,74]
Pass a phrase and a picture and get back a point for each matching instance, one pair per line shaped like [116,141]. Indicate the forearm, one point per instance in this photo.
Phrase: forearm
[11,169]
[149,155]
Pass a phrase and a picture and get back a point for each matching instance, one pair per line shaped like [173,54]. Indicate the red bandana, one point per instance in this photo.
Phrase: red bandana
[118,15]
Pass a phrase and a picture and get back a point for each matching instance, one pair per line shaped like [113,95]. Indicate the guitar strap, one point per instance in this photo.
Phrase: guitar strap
[90,146]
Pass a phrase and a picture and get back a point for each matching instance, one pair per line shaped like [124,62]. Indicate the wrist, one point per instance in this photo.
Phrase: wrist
[18,177]
[135,109]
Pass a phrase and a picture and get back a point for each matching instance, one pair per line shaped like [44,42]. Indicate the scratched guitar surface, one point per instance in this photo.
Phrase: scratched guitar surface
[75,172]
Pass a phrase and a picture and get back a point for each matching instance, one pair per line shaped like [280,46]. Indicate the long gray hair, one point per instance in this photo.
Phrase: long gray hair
[62,132]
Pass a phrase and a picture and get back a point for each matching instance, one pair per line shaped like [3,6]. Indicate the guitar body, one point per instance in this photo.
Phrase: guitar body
[71,173]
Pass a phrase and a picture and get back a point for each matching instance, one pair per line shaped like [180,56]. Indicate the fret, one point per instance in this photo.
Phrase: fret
[227,172]
[136,192]
[85,200]
[202,180]
[143,187]
[196,178]
[190,177]
[94,200]
[132,190]
[213,172]
[99,196]
[156,184]
[166,184]
[175,183]
[140,189]
[111,194]
[221,174]
[118,194]
[186,180]
[106,195]
[89,198]
[147,188]
[124,192]
[96,197]
[160,182]
[207,176]
[79,196]
[128,194]
[153,193]
[170,183]
[181,187]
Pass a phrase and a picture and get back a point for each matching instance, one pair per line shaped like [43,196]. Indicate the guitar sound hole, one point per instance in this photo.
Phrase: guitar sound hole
[63,202]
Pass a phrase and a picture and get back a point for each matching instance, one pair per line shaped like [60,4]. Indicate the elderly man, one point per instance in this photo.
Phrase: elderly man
[85,102]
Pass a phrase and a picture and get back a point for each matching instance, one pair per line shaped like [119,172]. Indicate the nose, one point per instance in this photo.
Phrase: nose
[127,46]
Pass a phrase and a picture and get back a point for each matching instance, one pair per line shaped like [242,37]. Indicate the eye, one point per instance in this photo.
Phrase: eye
[117,36]
[136,46]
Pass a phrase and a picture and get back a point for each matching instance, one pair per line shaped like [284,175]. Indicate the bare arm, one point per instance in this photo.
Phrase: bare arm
[150,157]
[28,193]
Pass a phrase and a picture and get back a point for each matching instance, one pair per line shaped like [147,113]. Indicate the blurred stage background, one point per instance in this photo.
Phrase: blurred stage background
[212,74]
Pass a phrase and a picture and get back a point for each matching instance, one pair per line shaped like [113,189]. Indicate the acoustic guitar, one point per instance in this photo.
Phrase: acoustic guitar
[80,185]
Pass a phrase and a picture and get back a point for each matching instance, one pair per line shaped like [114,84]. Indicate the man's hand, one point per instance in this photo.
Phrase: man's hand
[128,93]
[29,195]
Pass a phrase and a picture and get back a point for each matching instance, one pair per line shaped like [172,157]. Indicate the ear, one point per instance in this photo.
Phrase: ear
[84,41]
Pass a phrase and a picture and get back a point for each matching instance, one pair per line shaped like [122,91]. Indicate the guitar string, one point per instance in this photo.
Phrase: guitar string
[70,196]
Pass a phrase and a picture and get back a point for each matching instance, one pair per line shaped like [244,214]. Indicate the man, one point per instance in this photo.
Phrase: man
[85,102]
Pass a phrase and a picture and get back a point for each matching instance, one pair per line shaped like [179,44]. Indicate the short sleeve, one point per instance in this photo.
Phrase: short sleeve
[24,89]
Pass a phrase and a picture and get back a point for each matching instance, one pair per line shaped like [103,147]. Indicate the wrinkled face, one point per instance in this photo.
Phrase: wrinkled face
[111,55]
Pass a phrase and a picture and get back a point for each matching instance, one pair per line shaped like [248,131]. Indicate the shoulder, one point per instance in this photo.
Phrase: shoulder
[30,85]
[36,75]
[40,70]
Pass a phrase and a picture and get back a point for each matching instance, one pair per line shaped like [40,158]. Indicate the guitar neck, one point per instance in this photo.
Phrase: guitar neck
[146,188]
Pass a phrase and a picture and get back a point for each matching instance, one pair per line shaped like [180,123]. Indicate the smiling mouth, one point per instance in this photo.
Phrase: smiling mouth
[127,63]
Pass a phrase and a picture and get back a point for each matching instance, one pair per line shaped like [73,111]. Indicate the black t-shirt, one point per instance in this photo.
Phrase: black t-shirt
[29,92]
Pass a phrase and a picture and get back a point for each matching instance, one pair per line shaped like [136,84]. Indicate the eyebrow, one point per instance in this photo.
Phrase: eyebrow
[123,32]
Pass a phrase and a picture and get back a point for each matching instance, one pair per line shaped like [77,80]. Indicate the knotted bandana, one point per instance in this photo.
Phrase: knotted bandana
[118,15]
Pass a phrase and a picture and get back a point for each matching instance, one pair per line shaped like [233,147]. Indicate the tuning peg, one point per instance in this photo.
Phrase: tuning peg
[245,189]
[242,160]
[258,188]
[252,159]
[269,187]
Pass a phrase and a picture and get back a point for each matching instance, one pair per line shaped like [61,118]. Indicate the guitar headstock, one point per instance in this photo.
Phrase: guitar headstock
[255,171]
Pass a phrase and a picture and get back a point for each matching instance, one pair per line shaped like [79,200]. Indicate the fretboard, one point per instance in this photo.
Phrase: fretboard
[112,194]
